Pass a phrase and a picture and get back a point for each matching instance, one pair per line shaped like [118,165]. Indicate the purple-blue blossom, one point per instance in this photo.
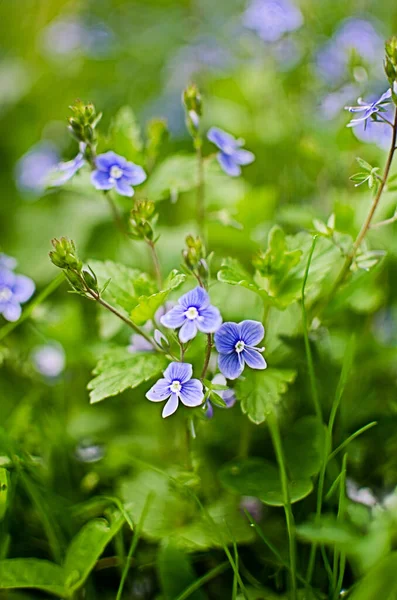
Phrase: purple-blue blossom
[368,108]
[114,171]
[231,155]
[237,346]
[177,385]
[65,170]
[7,262]
[193,312]
[272,19]
[34,167]
[227,396]
[49,360]
[14,291]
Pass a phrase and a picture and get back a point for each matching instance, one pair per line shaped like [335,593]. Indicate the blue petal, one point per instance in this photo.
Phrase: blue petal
[225,142]
[209,320]
[228,165]
[7,262]
[230,365]
[226,337]
[188,331]
[243,157]
[106,161]
[192,393]
[123,187]
[160,391]
[251,332]
[134,173]
[12,311]
[197,298]
[179,371]
[254,358]
[23,288]
[174,318]
[170,407]
[209,411]
[101,181]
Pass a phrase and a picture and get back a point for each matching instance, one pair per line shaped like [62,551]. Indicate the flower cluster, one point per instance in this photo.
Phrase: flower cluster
[236,344]
[14,289]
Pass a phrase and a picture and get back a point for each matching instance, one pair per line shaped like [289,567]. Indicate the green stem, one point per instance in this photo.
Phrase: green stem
[207,356]
[200,189]
[340,559]
[156,263]
[51,287]
[203,580]
[309,357]
[289,517]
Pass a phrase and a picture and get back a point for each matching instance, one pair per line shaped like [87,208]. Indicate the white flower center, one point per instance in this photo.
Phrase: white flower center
[239,347]
[191,313]
[116,172]
[175,386]
[5,294]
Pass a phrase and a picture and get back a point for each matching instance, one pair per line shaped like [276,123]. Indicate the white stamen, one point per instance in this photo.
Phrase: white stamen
[191,313]
[239,347]
[116,172]
[175,386]
[5,294]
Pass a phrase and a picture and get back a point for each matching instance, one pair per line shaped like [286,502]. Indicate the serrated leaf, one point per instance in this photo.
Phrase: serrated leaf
[261,478]
[125,136]
[120,370]
[173,176]
[260,391]
[32,573]
[86,548]
[233,273]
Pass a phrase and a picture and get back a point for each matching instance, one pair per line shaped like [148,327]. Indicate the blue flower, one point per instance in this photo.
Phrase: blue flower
[271,19]
[65,170]
[368,108]
[34,167]
[177,385]
[115,171]
[231,156]
[193,312]
[14,291]
[49,360]
[7,262]
[227,396]
[236,344]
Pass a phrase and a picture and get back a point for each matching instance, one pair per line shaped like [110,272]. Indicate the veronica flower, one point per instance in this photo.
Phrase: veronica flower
[114,171]
[231,156]
[236,344]
[14,291]
[227,396]
[193,312]
[176,385]
[65,170]
[368,108]
[49,360]
[34,167]
[7,262]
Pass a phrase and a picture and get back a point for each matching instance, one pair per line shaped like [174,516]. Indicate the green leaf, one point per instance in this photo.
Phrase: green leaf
[380,582]
[86,548]
[125,285]
[17,573]
[259,391]
[364,164]
[261,478]
[148,305]
[125,135]
[173,176]
[304,447]
[119,370]
[175,572]
[328,531]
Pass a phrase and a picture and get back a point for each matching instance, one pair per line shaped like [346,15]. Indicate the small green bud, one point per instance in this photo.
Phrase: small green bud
[192,102]
[91,280]
[83,122]
[194,254]
[141,219]
[64,254]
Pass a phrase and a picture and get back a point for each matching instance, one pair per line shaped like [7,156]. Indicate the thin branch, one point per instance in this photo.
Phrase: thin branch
[156,263]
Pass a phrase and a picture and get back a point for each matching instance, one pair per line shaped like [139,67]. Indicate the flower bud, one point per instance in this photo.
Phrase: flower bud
[83,122]
[140,220]
[64,254]
[192,102]
[194,253]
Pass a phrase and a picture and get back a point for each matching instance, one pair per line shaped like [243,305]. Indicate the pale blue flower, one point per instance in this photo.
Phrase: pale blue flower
[7,262]
[227,396]
[231,155]
[176,385]
[272,19]
[236,344]
[34,167]
[114,171]
[49,360]
[193,312]
[14,291]
[64,171]
[368,108]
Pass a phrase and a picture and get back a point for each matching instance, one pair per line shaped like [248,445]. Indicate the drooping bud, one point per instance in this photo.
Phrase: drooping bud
[192,102]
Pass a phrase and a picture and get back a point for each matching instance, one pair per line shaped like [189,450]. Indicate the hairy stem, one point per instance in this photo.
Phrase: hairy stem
[367,223]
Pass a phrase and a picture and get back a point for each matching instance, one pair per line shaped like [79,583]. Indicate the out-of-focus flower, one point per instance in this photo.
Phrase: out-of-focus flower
[114,171]
[231,155]
[193,312]
[89,452]
[49,360]
[34,168]
[140,344]
[354,36]
[176,385]
[378,133]
[14,291]
[7,262]
[227,396]
[360,495]
[253,506]
[368,108]
[65,170]
[332,103]
[70,37]
[236,344]
[271,19]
